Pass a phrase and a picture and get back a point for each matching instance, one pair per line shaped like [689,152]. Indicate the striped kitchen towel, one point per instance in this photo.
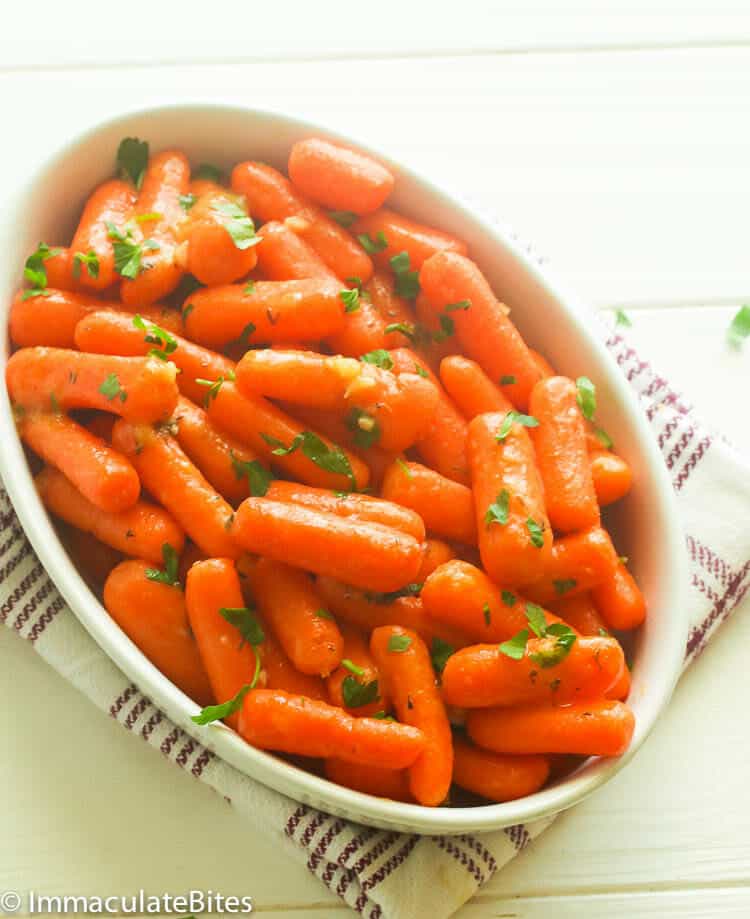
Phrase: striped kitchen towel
[388,874]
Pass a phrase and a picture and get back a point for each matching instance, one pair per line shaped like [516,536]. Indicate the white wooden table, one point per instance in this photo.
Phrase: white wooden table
[615,136]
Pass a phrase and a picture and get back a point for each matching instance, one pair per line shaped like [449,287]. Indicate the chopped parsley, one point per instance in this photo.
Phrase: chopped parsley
[404,468]
[622,318]
[562,587]
[258,477]
[487,613]
[128,253]
[238,224]
[508,379]
[350,299]
[167,343]
[439,653]
[536,532]
[213,387]
[111,388]
[498,511]
[399,643]
[132,160]
[373,246]
[586,397]
[739,328]
[343,218]
[187,201]
[331,459]
[407,281]
[509,598]
[169,575]
[208,171]
[365,428]
[549,654]
[514,417]
[411,590]
[35,273]
[90,259]
[379,357]
[356,694]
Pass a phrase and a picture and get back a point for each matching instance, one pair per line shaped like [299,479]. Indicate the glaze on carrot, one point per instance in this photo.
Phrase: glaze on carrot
[494,776]
[92,253]
[400,234]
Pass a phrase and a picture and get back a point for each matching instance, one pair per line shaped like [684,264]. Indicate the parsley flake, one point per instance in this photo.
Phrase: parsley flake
[208,171]
[323,614]
[514,417]
[258,477]
[407,281]
[515,647]
[399,643]
[509,598]
[238,224]
[404,468]
[536,532]
[739,328]
[246,622]
[35,273]
[213,387]
[563,586]
[111,388]
[187,201]
[604,439]
[343,218]
[622,318]
[350,299]
[373,246]
[379,357]
[439,653]
[171,568]
[356,694]
[487,613]
[90,259]
[498,512]
[411,590]
[331,459]
[586,397]
[132,159]
[128,253]
[365,428]
[508,379]
[352,667]
[167,343]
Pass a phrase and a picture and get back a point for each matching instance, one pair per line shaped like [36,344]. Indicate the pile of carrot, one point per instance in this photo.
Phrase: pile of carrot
[298,446]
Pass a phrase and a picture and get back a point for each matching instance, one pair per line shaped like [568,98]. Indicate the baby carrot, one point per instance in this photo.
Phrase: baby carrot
[153,616]
[543,365]
[339,177]
[458,290]
[368,555]
[349,504]
[443,445]
[271,196]
[140,531]
[166,180]
[93,559]
[494,776]
[355,684]
[370,780]
[281,440]
[278,672]
[375,324]
[102,475]
[285,256]
[219,235]
[176,483]
[436,553]
[142,389]
[226,463]
[445,506]
[212,595]
[471,389]
[483,675]
[393,310]
[403,661]
[577,562]
[560,443]
[59,270]
[429,337]
[619,599]
[596,728]
[92,251]
[267,311]
[515,538]
[110,332]
[276,720]
[612,476]
[288,602]
[580,613]
[390,233]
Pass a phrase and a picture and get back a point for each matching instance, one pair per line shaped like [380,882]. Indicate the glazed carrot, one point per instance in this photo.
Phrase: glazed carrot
[494,776]
[251,420]
[394,310]
[482,675]
[140,531]
[353,680]
[612,476]
[102,475]
[429,337]
[443,445]
[289,603]
[576,563]
[271,197]
[278,672]
[380,309]
[563,460]
[339,177]
[93,559]
[176,483]
[436,553]
[285,256]
[596,728]
[580,613]
[166,179]
[483,329]
[543,365]
[350,504]
[51,319]
[153,616]
[225,462]
[143,389]
[619,599]
[59,269]
[229,661]
[368,555]
[370,780]
[403,661]
[380,407]
[445,506]
[219,235]
[473,392]
[515,538]
[268,311]
[276,720]
[110,332]
[92,251]
[367,611]
[404,235]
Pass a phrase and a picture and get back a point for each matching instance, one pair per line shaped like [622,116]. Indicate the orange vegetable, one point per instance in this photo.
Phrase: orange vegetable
[404,235]
[580,613]
[278,672]
[111,202]
[619,599]
[285,256]
[357,653]
[515,538]
[404,663]
[494,776]
[176,483]
[470,388]
[436,553]
[339,177]
[370,780]
[140,531]
[482,675]
[612,476]
[153,616]
[365,329]
[483,329]
[276,720]
[101,474]
[93,559]
[596,728]
[271,197]
[445,506]
[369,555]
[166,179]
[143,389]
[576,563]
[543,365]
[561,454]
[288,602]
[59,269]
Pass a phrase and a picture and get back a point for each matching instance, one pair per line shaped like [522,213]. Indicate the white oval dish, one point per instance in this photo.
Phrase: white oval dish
[646,525]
